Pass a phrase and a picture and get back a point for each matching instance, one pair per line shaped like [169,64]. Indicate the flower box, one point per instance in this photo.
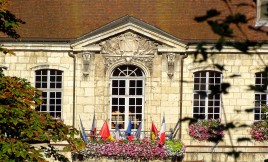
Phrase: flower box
[207,130]
[259,131]
[137,150]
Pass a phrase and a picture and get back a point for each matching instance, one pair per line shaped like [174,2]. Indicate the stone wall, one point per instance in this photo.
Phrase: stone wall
[162,94]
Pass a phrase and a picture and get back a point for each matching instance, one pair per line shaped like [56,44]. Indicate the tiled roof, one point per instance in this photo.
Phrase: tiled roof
[70,19]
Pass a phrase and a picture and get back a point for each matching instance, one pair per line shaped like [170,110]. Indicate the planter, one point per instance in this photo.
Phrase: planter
[207,130]
[259,131]
[137,150]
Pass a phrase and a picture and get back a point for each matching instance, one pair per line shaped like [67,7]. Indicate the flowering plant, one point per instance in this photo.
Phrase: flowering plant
[259,131]
[207,130]
[136,150]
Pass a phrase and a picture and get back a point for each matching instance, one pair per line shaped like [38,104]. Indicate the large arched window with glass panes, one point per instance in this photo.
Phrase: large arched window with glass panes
[127,96]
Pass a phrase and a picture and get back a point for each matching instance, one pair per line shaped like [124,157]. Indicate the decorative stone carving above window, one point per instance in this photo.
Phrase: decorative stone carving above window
[128,44]
[146,61]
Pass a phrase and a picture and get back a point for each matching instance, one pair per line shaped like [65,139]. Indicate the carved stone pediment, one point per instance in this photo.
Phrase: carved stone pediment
[128,44]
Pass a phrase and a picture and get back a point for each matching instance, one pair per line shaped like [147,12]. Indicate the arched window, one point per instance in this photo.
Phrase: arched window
[261,97]
[49,81]
[207,99]
[127,96]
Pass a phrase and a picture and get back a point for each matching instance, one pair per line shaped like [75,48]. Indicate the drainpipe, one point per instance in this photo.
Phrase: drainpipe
[181,91]
[74,58]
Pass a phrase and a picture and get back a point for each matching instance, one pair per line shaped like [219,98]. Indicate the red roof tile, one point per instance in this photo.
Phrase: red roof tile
[69,19]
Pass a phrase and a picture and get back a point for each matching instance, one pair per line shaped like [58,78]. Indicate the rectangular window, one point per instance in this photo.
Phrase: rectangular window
[262,13]
[50,83]
[261,97]
[207,99]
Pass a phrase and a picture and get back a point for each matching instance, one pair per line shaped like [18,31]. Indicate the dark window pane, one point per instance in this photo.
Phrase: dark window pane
[52,101]
[210,109]
[43,108]
[122,83]
[202,109]
[52,108]
[52,85]
[37,78]
[257,117]
[58,85]
[138,101]
[58,115]
[210,116]
[196,87]
[114,101]
[52,78]
[44,72]
[114,91]
[44,85]
[58,101]
[121,101]
[52,72]
[121,91]
[115,83]
[52,94]
[114,109]
[196,110]
[59,78]
[38,85]
[121,109]
[216,116]
[37,72]
[131,109]
[52,114]
[132,83]
[131,91]
[217,110]
[139,83]
[58,94]
[131,101]
[58,108]
[138,109]
[139,91]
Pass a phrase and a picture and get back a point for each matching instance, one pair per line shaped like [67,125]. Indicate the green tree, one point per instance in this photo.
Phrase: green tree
[21,126]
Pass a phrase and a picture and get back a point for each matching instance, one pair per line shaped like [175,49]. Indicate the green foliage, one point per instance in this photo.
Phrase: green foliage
[21,126]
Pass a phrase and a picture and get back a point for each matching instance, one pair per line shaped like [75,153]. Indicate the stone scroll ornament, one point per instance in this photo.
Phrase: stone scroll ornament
[128,44]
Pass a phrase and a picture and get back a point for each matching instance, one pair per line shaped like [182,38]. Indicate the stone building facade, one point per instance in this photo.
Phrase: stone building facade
[129,69]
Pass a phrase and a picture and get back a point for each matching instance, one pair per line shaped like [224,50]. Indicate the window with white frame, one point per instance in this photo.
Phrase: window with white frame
[261,98]
[127,96]
[49,81]
[207,99]
[262,13]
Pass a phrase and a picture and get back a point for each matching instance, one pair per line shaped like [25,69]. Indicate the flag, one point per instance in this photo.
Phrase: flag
[138,133]
[154,131]
[117,132]
[105,132]
[162,133]
[93,128]
[175,131]
[129,127]
[83,133]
